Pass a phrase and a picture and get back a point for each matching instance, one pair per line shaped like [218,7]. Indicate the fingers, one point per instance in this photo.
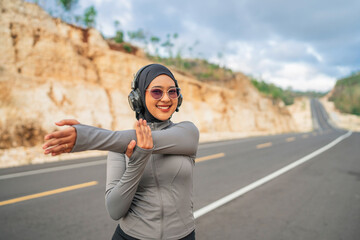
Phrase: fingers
[65,146]
[149,139]
[139,134]
[60,134]
[67,122]
[67,135]
[59,149]
[130,148]
[143,134]
[144,129]
[60,141]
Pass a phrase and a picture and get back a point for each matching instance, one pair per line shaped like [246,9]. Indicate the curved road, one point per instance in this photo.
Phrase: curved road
[289,186]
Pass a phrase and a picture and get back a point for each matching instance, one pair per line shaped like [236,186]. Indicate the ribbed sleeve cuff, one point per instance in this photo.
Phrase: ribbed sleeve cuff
[80,139]
[139,155]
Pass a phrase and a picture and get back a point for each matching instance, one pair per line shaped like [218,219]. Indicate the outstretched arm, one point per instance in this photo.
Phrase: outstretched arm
[181,138]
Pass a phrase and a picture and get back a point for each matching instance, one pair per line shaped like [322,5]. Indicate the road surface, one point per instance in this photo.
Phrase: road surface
[289,186]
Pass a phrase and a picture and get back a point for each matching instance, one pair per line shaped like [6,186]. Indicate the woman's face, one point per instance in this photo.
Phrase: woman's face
[163,108]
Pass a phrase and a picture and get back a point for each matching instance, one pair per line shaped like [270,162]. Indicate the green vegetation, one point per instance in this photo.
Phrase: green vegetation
[278,94]
[199,68]
[65,9]
[274,92]
[67,4]
[89,16]
[346,95]
[119,35]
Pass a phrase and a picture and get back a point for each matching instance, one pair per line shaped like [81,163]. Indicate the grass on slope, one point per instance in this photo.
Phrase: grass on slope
[279,94]
[346,94]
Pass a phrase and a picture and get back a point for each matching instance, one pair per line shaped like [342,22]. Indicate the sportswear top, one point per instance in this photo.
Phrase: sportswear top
[151,193]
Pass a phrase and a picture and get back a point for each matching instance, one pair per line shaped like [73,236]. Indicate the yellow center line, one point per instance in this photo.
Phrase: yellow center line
[218,155]
[305,136]
[264,145]
[290,139]
[47,193]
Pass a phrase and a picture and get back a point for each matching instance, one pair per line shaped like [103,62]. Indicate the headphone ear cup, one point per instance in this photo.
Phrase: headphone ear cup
[135,101]
[180,99]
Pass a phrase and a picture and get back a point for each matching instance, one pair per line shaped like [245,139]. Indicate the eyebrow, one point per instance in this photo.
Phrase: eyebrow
[162,87]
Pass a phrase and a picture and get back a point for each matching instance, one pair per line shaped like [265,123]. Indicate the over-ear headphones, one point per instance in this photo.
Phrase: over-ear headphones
[134,97]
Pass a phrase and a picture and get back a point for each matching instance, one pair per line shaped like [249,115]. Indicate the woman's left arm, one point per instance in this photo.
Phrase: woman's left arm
[181,138]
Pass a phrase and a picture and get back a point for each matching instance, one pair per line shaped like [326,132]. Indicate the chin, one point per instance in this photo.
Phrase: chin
[164,117]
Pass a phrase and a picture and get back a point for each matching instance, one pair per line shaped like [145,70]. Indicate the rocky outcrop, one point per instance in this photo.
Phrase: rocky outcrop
[50,70]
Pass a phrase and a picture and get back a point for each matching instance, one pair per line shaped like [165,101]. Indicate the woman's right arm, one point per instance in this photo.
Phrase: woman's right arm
[122,180]
[121,184]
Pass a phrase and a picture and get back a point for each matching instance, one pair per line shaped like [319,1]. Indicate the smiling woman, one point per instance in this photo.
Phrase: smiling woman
[148,186]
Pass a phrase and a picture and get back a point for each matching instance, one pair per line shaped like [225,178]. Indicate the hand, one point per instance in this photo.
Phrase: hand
[143,135]
[61,141]
[130,148]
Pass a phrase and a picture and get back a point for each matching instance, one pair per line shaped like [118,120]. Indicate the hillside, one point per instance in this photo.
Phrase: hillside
[50,70]
[343,102]
[346,94]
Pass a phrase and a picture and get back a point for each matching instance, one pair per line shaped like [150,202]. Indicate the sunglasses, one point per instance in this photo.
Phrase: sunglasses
[158,93]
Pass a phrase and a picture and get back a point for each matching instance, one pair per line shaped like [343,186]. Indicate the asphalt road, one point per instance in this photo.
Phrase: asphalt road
[318,198]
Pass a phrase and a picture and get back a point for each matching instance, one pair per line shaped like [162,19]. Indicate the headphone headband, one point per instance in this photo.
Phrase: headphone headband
[134,82]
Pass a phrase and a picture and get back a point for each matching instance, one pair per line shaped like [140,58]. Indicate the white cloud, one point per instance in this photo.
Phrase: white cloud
[278,62]
[313,52]
[300,76]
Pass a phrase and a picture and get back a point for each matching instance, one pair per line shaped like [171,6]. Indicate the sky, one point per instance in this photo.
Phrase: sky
[305,45]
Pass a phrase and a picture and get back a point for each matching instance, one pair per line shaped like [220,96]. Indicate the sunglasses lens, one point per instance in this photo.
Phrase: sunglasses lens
[173,93]
[156,93]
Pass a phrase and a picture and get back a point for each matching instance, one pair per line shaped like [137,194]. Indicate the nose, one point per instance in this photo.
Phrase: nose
[165,97]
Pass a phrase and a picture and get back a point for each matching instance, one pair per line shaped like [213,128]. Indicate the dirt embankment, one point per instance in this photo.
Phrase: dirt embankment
[341,120]
[50,70]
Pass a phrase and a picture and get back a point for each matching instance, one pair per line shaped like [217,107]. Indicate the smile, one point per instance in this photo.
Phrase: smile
[163,107]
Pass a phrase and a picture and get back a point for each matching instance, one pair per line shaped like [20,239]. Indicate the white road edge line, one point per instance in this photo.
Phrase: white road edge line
[268,178]
[53,169]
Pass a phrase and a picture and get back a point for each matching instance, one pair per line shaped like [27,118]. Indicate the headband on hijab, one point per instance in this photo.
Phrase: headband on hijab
[146,76]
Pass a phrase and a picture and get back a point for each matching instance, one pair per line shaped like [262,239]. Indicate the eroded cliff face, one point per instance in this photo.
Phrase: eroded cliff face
[50,70]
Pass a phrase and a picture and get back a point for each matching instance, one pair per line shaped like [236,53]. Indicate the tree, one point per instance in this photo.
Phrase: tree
[168,44]
[191,48]
[155,41]
[89,16]
[137,35]
[67,4]
[119,35]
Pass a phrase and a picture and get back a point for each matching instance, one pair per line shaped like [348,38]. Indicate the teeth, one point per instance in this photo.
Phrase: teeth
[164,107]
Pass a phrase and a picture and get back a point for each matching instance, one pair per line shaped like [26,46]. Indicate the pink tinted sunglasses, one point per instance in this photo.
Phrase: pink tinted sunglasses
[158,93]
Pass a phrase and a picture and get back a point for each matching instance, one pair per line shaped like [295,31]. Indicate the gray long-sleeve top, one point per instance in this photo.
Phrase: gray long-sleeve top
[151,193]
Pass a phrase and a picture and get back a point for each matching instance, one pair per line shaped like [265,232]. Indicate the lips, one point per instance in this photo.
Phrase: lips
[164,108]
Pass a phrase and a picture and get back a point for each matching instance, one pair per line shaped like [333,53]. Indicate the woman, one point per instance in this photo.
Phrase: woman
[150,188]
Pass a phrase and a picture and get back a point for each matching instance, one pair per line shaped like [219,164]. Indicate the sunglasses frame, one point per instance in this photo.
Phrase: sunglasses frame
[167,92]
